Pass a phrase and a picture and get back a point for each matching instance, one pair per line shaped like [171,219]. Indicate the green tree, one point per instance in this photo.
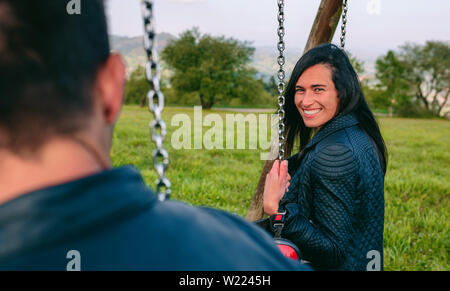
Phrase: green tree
[427,70]
[214,68]
[416,79]
[137,87]
[393,90]
[252,91]
[271,86]
[357,64]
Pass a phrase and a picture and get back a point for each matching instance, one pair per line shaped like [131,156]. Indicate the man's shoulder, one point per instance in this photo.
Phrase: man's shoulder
[203,218]
[116,223]
[183,237]
[170,236]
[207,223]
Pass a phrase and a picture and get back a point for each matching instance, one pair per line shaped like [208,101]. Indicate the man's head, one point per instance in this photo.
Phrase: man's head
[57,76]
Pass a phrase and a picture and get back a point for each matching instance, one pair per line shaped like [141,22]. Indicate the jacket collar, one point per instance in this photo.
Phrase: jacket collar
[338,123]
[63,211]
[332,126]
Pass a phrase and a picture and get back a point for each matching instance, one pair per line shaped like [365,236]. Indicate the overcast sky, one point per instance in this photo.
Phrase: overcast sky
[374,26]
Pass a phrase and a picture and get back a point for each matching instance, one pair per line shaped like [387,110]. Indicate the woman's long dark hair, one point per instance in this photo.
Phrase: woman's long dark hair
[350,94]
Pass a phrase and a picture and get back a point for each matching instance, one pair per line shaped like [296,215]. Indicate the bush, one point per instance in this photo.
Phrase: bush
[173,97]
[136,87]
[414,110]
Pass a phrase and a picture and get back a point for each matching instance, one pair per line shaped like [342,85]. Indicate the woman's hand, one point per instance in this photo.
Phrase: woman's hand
[277,183]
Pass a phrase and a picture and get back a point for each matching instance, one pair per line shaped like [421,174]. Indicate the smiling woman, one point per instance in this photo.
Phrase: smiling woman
[335,201]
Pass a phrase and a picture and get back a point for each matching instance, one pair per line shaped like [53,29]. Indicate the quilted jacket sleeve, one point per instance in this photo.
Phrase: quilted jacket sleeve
[323,241]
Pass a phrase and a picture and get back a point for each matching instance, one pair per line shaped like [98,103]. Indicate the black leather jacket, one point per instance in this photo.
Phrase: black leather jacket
[335,202]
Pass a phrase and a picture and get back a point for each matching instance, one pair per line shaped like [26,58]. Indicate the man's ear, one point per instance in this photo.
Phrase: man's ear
[110,86]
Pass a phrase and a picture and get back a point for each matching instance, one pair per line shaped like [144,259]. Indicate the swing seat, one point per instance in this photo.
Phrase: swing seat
[287,248]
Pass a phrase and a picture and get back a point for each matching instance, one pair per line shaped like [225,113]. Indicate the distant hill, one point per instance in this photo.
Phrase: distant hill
[134,45]
[132,48]
[264,59]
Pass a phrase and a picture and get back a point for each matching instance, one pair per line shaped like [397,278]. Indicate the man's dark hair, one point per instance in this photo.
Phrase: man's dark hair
[350,94]
[48,64]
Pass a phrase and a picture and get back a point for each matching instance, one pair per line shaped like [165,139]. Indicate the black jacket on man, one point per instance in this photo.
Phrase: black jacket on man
[335,201]
[114,222]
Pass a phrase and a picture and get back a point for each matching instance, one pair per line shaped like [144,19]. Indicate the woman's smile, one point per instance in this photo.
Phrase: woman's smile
[311,113]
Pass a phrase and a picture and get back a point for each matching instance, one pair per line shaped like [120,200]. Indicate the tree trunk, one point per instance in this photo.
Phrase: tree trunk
[143,101]
[322,31]
[444,103]
[206,104]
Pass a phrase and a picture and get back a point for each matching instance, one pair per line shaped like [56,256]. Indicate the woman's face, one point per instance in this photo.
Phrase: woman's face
[316,97]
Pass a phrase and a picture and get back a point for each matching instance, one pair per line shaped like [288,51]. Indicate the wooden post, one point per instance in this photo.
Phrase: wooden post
[324,26]
[322,31]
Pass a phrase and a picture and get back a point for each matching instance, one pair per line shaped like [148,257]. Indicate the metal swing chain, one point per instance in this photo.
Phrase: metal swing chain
[157,126]
[281,84]
[344,23]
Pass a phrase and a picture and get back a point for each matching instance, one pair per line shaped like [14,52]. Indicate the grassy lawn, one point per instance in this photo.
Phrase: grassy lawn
[417,188]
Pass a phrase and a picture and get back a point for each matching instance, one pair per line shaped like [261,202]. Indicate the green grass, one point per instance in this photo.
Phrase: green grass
[417,186]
